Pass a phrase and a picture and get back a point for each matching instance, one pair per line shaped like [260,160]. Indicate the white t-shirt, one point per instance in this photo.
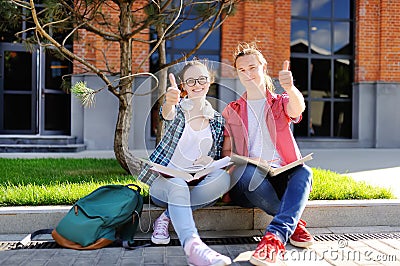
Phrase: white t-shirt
[192,145]
[260,143]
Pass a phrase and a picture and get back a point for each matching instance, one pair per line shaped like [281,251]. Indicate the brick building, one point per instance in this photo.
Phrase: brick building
[345,58]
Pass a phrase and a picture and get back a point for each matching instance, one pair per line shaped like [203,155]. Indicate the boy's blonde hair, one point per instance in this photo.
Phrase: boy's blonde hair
[245,48]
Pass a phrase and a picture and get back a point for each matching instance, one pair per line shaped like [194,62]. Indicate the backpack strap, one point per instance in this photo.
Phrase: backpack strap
[140,224]
[24,242]
[127,245]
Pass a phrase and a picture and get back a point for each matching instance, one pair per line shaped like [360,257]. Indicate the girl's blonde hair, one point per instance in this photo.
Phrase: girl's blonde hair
[251,49]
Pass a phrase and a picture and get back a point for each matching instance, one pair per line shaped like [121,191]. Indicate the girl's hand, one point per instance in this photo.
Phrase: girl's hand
[203,160]
[173,93]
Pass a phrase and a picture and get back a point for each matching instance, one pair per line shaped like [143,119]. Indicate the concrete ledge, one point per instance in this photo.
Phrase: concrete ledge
[346,213]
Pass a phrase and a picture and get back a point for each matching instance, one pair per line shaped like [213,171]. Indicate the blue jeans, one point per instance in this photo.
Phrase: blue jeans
[181,199]
[284,196]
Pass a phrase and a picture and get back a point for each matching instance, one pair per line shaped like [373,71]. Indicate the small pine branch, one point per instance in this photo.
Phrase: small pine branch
[83,93]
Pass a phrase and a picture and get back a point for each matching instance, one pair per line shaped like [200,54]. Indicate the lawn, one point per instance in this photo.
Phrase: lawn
[33,182]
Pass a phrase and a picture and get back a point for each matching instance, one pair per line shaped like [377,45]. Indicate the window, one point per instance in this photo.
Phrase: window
[31,80]
[322,60]
[178,47]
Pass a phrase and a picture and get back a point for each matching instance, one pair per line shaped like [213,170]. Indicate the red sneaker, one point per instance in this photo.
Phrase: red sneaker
[301,237]
[269,251]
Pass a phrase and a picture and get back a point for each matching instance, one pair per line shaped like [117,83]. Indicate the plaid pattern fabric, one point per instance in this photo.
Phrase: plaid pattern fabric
[173,132]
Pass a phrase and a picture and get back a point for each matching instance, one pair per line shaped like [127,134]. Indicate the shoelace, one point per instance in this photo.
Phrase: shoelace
[161,226]
[272,244]
[204,252]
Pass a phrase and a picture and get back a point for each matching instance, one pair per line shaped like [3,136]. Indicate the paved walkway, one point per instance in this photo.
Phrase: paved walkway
[335,246]
[380,246]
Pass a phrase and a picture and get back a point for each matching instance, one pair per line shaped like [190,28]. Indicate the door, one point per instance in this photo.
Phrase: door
[33,102]
[55,103]
[18,93]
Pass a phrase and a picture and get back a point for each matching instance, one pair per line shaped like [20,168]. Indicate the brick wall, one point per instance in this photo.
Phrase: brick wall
[106,54]
[267,22]
[377,41]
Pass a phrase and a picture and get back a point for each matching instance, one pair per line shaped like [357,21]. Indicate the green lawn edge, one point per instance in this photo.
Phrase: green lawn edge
[60,181]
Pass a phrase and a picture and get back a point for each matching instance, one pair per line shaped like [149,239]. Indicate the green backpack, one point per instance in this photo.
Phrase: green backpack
[108,214]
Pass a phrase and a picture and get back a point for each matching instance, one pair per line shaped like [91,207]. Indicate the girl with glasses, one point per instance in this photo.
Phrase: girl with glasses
[193,135]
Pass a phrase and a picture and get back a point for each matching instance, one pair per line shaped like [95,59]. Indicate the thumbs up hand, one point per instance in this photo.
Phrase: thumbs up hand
[285,77]
[173,93]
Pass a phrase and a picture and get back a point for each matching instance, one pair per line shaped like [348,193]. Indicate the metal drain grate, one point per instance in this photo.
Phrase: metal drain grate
[212,241]
[138,242]
[31,245]
[355,237]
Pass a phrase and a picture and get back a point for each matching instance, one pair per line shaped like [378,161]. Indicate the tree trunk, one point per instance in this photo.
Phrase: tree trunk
[121,148]
[162,78]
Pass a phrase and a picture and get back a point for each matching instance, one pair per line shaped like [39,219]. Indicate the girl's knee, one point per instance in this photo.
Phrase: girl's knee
[223,179]
[178,181]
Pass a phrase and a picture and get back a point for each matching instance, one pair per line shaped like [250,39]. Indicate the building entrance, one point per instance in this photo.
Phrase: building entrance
[32,101]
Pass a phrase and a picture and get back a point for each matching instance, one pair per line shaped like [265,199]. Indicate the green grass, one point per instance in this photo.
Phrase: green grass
[32,182]
[57,181]
[328,185]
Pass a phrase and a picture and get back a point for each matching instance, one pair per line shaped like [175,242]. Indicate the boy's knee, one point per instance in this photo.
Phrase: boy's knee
[243,174]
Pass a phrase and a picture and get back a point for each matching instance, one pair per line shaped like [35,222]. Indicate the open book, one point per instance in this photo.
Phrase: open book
[263,165]
[193,172]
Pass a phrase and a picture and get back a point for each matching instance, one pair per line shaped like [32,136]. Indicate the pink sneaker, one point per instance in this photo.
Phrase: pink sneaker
[160,234]
[199,254]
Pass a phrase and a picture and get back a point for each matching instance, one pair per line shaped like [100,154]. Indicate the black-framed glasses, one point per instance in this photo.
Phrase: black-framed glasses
[192,81]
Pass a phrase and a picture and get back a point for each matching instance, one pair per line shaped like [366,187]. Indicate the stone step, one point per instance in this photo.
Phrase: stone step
[37,140]
[32,148]
[345,213]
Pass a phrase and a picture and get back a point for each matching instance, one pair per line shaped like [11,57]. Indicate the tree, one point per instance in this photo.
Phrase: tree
[135,17]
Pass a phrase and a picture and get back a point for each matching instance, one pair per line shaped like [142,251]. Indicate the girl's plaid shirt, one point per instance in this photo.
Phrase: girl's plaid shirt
[173,132]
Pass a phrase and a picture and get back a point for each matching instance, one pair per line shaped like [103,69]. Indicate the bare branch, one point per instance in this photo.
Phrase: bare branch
[67,52]
[84,22]
[21,3]
[54,22]
[70,34]
[161,39]
[213,26]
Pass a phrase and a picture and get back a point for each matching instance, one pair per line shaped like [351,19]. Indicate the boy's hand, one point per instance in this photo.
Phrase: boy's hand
[285,77]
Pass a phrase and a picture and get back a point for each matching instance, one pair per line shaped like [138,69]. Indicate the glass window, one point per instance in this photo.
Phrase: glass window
[212,41]
[300,8]
[320,78]
[341,9]
[56,68]
[56,117]
[321,8]
[324,73]
[177,48]
[321,37]
[302,129]
[342,119]
[17,112]
[320,118]
[17,71]
[299,36]
[182,42]
[343,79]
[341,38]
[299,67]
